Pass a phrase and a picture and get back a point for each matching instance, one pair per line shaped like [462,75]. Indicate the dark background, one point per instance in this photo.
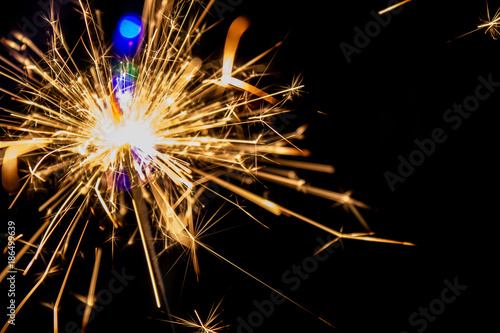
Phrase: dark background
[395,91]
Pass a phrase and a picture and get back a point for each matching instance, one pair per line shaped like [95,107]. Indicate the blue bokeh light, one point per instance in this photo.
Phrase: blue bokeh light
[128,35]
[130,26]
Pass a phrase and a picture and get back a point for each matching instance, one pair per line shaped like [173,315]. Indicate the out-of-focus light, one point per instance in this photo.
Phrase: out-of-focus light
[130,26]
[128,35]
[124,83]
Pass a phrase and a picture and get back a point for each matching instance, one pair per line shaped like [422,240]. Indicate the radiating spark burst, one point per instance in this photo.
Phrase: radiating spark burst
[211,325]
[151,147]
[490,25]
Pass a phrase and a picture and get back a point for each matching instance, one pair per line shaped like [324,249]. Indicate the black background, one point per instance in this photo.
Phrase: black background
[394,91]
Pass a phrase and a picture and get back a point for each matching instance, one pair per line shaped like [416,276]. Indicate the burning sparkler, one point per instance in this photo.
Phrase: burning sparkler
[147,133]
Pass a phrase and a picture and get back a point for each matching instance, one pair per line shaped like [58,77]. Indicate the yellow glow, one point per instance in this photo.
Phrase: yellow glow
[134,133]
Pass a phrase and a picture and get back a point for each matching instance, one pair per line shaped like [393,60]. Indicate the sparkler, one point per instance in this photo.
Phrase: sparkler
[148,134]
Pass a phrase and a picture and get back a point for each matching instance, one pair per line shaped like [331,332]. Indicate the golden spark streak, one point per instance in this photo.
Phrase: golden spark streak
[40,281]
[207,326]
[25,248]
[388,9]
[91,295]
[146,252]
[258,200]
[305,165]
[104,204]
[66,276]
[50,228]
[263,283]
